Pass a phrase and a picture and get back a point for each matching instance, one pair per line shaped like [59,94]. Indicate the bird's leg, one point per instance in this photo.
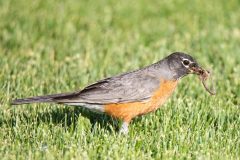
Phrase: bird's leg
[124,128]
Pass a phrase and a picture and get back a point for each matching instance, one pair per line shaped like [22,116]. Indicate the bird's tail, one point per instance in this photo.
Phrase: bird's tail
[42,99]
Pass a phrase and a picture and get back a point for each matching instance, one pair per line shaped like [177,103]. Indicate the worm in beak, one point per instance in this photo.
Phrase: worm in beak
[204,76]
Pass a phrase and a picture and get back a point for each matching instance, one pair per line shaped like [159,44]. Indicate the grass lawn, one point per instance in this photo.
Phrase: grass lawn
[59,46]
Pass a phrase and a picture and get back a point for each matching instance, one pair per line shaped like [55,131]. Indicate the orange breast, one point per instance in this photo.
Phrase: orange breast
[127,111]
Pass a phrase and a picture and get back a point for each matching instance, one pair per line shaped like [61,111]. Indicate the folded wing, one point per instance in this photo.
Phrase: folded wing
[125,88]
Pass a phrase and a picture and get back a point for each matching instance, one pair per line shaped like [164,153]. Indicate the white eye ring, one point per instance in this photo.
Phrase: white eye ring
[186,62]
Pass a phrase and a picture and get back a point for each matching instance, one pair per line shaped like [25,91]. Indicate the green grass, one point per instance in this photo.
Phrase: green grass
[50,47]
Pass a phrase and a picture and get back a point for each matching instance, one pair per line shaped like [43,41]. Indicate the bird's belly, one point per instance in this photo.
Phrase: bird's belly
[92,107]
[127,111]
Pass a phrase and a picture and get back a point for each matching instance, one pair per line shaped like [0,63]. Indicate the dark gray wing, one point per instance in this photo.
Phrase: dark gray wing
[137,86]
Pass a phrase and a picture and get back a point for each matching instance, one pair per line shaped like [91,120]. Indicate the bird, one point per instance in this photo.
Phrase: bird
[131,94]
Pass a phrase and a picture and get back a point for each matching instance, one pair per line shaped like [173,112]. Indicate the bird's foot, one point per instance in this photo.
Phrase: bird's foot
[124,128]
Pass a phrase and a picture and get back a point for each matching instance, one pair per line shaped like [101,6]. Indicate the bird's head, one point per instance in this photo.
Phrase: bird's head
[182,64]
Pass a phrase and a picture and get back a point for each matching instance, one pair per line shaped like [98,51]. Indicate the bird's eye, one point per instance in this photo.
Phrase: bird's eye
[186,62]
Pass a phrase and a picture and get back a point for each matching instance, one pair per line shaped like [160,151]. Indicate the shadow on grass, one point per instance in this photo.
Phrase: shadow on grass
[67,117]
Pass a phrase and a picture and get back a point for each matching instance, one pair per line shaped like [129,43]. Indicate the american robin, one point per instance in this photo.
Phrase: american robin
[130,94]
